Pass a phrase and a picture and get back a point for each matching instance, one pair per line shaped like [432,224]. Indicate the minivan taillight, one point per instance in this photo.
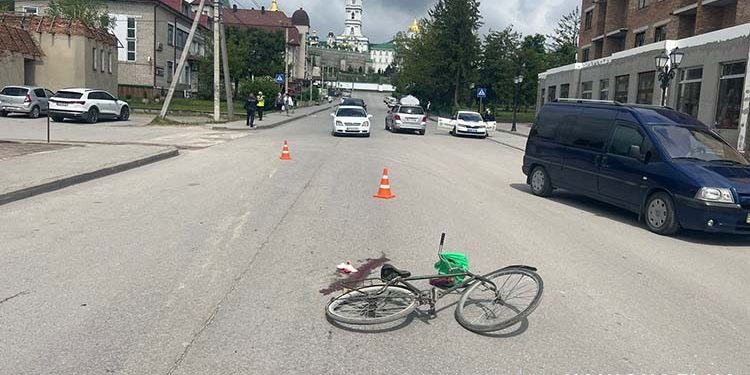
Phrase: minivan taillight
[27,99]
[397,117]
[424,118]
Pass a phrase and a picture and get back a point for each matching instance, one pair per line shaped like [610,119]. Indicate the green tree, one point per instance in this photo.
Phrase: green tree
[500,64]
[533,56]
[455,24]
[7,5]
[92,13]
[254,53]
[563,42]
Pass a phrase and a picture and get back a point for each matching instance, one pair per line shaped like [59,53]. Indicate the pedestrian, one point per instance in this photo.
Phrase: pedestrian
[261,105]
[279,102]
[251,105]
[429,107]
[288,104]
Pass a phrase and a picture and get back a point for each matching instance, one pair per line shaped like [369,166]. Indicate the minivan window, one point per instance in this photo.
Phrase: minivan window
[68,95]
[545,126]
[39,93]
[693,143]
[624,137]
[14,91]
[592,129]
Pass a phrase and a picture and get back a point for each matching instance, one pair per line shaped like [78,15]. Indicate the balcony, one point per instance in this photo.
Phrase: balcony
[718,3]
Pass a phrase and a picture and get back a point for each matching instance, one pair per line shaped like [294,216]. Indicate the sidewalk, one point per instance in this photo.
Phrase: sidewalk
[522,129]
[273,120]
[34,168]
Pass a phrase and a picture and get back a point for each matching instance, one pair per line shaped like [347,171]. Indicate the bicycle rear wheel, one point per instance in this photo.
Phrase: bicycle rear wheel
[481,309]
[374,304]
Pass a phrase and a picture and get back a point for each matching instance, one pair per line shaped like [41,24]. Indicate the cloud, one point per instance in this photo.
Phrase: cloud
[384,18]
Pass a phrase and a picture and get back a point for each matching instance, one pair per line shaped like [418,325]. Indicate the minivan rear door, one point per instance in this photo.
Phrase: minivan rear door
[585,141]
[621,175]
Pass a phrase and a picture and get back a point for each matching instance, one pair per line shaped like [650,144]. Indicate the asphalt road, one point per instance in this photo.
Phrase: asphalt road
[212,262]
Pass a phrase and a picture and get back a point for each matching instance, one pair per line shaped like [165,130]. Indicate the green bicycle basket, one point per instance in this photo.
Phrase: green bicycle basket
[452,263]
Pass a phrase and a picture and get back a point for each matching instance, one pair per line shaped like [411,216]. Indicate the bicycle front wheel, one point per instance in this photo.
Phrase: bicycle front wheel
[483,308]
[372,305]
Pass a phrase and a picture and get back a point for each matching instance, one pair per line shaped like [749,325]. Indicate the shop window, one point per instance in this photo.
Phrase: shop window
[604,89]
[645,87]
[730,95]
[565,90]
[621,88]
[689,91]
[586,88]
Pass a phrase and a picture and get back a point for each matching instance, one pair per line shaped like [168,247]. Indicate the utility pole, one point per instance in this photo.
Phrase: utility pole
[227,78]
[183,59]
[217,60]
[286,60]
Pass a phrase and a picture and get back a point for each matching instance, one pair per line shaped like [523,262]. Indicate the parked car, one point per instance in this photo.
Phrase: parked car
[464,123]
[87,104]
[352,120]
[405,117]
[355,102]
[667,167]
[29,100]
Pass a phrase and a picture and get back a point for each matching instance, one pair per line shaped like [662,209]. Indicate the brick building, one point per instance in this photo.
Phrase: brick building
[620,39]
[612,26]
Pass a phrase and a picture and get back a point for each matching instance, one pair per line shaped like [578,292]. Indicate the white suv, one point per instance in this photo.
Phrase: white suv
[87,104]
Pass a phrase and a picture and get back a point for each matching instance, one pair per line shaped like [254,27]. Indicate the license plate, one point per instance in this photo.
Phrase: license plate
[352,129]
[472,130]
[62,104]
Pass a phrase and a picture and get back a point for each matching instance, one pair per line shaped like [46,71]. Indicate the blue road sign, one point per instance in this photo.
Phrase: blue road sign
[280,78]
[481,92]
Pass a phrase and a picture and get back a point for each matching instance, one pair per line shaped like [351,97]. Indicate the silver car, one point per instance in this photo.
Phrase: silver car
[24,99]
[406,117]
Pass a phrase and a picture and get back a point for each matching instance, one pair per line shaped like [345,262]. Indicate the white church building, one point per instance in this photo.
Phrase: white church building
[352,37]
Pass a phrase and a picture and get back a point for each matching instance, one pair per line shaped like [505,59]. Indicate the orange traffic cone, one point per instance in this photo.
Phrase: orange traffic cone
[285,155]
[385,187]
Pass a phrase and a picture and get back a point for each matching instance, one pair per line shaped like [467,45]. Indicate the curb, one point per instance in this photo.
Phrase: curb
[513,133]
[282,122]
[64,182]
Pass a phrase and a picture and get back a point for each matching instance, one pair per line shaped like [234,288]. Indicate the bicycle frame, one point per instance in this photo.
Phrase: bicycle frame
[434,294]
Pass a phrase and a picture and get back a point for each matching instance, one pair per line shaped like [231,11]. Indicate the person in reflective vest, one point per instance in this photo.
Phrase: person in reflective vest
[261,105]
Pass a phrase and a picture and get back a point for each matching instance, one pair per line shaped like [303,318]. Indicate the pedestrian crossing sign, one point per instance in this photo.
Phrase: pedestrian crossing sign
[481,92]
[280,78]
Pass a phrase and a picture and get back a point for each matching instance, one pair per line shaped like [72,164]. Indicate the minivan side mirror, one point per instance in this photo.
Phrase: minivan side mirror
[635,152]
[333,115]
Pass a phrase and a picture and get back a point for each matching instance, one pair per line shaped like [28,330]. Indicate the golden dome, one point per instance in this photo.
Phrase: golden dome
[274,6]
[414,27]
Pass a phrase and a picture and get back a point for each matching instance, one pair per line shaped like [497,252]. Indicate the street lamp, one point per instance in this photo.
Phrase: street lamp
[518,80]
[667,67]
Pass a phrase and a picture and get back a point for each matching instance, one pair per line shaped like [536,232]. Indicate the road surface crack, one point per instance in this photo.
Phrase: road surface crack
[14,296]
[244,272]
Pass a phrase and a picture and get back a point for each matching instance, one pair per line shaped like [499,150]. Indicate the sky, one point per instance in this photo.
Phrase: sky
[384,18]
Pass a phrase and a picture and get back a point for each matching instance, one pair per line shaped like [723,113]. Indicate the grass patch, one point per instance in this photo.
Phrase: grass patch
[527,117]
[186,105]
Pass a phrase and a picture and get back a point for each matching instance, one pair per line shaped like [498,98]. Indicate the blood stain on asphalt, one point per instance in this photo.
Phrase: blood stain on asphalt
[364,270]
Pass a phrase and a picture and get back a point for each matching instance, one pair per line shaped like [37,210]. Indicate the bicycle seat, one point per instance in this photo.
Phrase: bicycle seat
[388,272]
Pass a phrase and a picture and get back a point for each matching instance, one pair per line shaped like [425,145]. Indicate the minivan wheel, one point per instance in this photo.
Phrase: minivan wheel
[660,215]
[541,185]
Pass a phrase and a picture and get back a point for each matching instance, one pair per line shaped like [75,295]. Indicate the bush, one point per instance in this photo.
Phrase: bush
[266,85]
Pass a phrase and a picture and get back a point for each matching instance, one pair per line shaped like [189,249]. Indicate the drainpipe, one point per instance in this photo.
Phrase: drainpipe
[742,136]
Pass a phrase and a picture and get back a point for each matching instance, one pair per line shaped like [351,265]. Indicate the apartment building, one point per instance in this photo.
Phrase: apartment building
[620,40]
[151,36]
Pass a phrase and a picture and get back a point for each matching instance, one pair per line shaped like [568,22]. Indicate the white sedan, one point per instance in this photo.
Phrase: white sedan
[465,123]
[351,120]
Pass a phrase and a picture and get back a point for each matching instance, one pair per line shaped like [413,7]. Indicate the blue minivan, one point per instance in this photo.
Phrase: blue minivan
[667,167]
